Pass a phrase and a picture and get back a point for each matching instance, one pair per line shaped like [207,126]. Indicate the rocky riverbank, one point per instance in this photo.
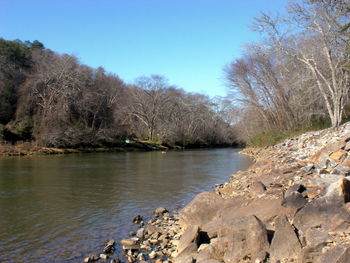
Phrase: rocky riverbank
[292,205]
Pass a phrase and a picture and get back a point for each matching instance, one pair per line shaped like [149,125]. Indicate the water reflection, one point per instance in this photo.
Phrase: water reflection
[59,208]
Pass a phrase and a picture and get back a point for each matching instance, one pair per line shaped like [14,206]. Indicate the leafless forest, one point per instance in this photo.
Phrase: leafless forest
[55,101]
[295,78]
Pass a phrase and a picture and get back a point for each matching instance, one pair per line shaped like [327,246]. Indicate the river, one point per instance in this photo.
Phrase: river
[61,208]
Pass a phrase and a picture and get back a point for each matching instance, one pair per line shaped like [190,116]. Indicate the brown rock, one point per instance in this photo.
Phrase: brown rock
[346,162]
[208,261]
[243,238]
[338,155]
[321,216]
[313,192]
[312,254]
[187,255]
[345,189]
[293,202]
[295,188]
[285,243]
[327,150]
[212,228]
[188,238]
[338,254]
[257,188]
[201,209]
[265,209]
[129,242]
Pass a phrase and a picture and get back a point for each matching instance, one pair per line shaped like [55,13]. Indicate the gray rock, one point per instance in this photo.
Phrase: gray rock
[308,167]
[160,211]
[140,233]
[151,229]
[91,258]
[137,219]
[109,247]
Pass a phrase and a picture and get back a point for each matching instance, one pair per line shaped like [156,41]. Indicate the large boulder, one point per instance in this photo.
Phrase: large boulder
[243,238]
[265,209]
[338,254]
[201,210]
[321,216]
[285,243]
[188,239]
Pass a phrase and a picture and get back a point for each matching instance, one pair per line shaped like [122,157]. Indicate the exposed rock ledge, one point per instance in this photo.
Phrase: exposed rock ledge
[292,205]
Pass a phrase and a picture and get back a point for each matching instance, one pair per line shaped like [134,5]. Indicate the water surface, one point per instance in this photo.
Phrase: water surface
[61,208]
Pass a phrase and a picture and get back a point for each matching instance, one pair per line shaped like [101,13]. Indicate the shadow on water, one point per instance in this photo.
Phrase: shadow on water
[60,208]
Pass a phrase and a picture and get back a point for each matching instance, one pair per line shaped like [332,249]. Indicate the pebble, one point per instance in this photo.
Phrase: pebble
[152,255]
[140,233]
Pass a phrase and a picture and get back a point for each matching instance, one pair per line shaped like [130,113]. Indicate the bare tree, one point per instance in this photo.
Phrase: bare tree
[148,101]
[317,42]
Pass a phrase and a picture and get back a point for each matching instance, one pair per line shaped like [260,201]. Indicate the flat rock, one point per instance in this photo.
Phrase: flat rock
[129,242]
[338,254]
[321,216]
[201,209]
[188,238]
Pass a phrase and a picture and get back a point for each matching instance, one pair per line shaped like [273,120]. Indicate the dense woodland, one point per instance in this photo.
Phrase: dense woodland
[297,77]
[53,100]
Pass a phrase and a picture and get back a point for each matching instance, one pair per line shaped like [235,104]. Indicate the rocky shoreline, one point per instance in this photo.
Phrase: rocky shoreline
[155,241]
[292,205]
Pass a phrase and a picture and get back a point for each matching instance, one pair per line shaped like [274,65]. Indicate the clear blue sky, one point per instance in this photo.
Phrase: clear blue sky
[188,41]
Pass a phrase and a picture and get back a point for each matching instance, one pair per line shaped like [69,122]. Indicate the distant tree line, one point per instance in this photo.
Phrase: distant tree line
[54,100]
[297,76]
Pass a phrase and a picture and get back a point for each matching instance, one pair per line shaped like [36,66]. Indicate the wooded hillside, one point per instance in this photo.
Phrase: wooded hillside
[56,101]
